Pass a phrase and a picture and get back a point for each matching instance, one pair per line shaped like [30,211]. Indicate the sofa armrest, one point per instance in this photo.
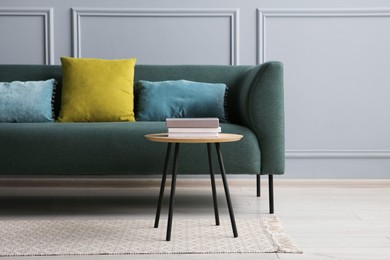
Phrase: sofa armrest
[261,108]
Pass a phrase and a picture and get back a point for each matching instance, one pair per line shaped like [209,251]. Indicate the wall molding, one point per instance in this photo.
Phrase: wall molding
[47,14]
[232,14]
[338,154]
[264,14]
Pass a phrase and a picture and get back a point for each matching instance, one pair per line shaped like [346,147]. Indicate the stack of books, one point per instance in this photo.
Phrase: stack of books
[193,127]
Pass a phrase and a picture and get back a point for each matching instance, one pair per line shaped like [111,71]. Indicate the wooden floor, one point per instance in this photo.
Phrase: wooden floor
[336,219]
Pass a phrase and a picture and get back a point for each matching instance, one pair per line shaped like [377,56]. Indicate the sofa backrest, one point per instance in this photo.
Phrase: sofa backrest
[232,76]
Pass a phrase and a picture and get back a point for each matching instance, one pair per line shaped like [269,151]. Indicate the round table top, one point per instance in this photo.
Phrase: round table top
[221,138]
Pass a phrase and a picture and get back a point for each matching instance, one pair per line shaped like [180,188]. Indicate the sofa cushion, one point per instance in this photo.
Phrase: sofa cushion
[26,102]
[180,99]
[96,90]
[114,148]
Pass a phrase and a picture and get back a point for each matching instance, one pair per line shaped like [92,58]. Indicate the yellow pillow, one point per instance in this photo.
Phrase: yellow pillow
[96,90]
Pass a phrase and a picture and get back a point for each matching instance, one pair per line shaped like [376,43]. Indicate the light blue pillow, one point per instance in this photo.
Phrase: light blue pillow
[180,99]
[26,102]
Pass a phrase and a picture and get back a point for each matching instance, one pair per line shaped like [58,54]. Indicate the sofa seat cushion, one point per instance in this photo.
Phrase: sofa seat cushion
[116,148]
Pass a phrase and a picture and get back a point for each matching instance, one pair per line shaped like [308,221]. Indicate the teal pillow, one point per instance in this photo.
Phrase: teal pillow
[180,99]
[26,102]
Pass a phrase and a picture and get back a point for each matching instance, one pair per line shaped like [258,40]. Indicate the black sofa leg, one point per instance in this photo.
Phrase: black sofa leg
[271,193]
[258,191]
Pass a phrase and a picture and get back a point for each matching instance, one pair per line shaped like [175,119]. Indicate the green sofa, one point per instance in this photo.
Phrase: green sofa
[255,110]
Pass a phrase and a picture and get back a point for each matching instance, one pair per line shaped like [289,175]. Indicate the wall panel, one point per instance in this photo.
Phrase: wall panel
[161,36]
[336,90]
[26,36]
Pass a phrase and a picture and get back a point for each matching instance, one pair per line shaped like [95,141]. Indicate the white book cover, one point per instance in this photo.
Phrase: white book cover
[192,122]
[194,130]
[192,135]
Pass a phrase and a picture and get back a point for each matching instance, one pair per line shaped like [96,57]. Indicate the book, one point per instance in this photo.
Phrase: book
[210,122]
[194,130]
[205,135]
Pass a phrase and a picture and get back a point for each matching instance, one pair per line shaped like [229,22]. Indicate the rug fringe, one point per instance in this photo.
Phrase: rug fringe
[282,242]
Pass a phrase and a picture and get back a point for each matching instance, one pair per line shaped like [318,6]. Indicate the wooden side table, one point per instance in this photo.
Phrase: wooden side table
[221,138]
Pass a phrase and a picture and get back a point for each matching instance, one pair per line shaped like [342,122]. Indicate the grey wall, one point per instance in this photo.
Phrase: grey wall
[337,74]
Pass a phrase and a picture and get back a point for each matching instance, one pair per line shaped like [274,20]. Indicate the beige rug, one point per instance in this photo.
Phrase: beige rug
[128,236]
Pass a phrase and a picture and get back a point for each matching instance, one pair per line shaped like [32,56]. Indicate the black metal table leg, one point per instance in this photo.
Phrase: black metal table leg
[226,187]
[164,177]
[173,187]
[271,193]
[213,185]
[258,185]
